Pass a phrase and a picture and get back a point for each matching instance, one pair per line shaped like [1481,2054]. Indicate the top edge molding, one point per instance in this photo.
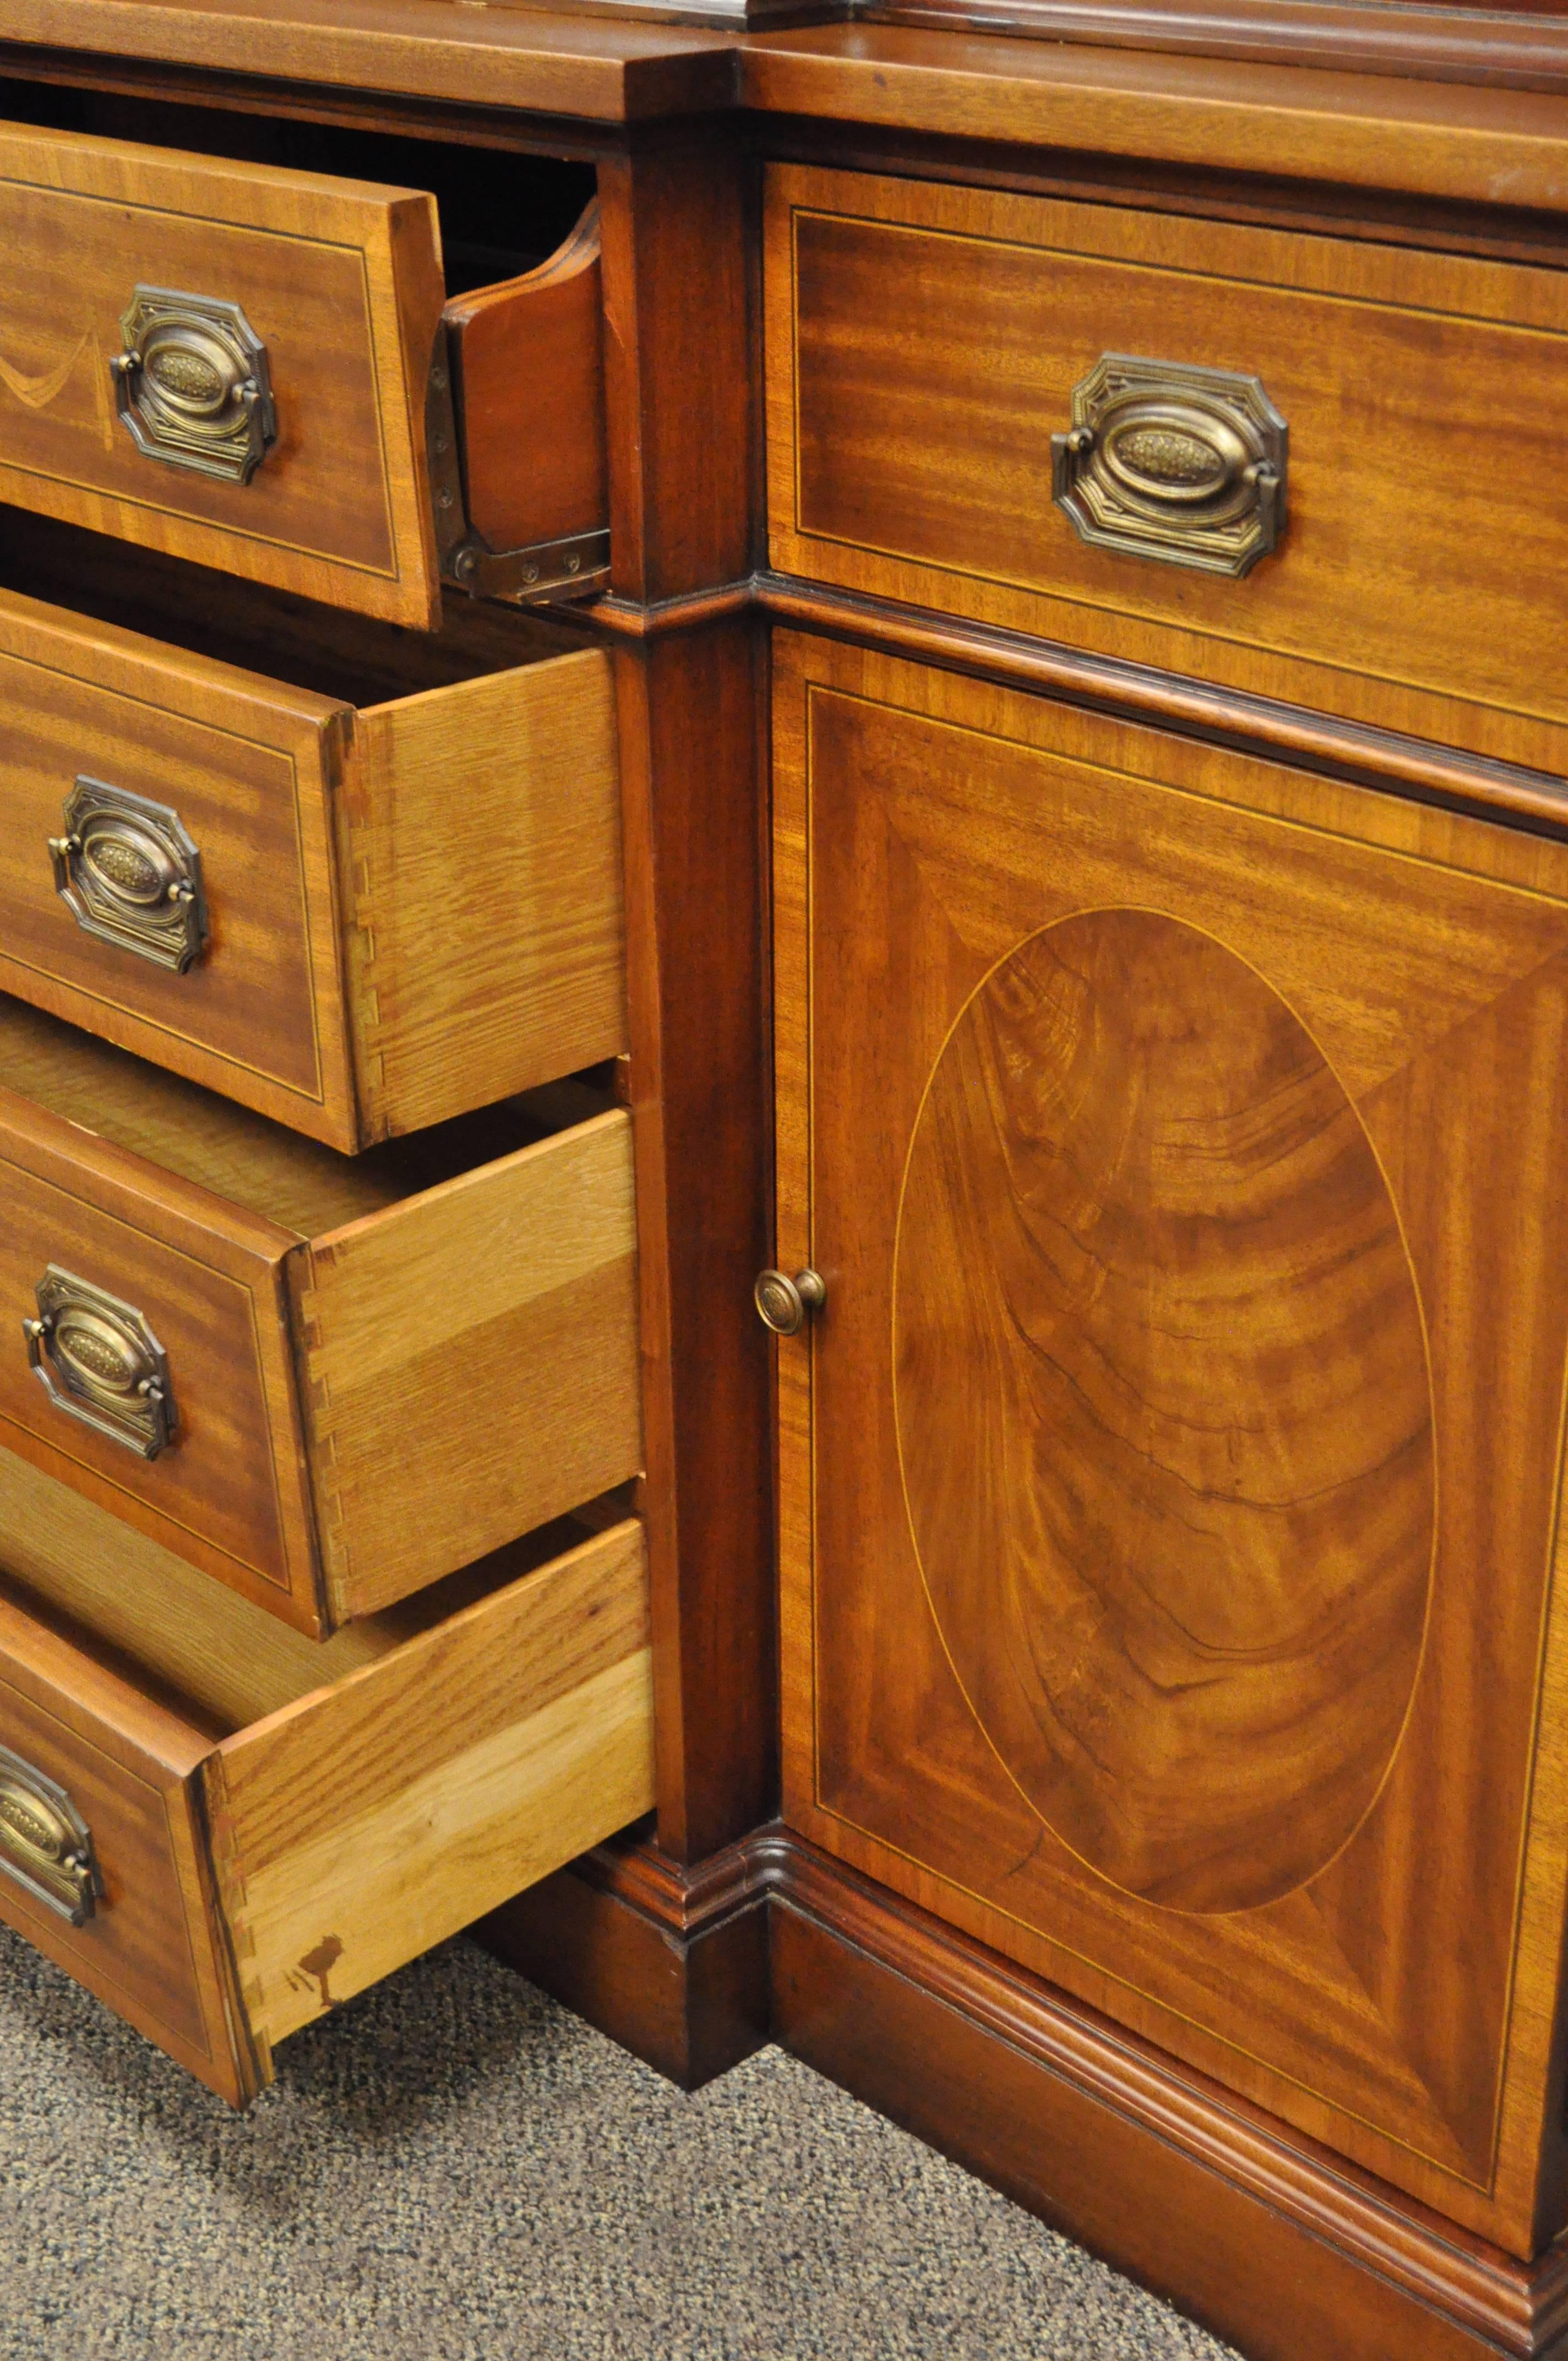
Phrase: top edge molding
[1413,133]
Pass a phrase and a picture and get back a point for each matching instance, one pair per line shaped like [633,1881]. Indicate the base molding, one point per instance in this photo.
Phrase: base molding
[1263,2235]
[671,1962]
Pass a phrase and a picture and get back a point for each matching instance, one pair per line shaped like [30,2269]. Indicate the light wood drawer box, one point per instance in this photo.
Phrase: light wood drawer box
[380,1367]
[242,364]
[274,1825]
[924,344]
[406,905]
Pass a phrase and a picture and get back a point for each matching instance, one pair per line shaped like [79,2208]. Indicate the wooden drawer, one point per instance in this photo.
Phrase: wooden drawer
[274,1825]
[924,347]
[380,1368]
[405,907]
[289,351]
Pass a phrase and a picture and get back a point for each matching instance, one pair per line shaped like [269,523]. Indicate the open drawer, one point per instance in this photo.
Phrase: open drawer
[358,909]
[225,1830]
[259,369]
[327,1381]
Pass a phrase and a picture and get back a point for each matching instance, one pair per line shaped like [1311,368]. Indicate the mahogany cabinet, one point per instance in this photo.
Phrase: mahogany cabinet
[1036,817]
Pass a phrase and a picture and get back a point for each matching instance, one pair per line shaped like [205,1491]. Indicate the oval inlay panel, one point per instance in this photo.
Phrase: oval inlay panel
[1164,1411]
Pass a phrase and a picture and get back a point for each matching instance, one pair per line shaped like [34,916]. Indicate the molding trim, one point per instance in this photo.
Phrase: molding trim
[1514,2308]
[1515,48]
[981,2059]
[1417,767]
[671,1962]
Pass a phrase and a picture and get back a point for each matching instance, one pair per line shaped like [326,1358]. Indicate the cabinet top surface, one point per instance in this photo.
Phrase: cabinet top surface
[1453,140]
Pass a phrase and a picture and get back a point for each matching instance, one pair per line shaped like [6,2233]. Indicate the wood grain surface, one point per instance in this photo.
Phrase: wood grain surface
[342,284]
[1424,137]
[1163,1411]
[923,346]
[1279,2249]
[675,230]
[345,988]
[414,1786]
[538,59]
[489,1327]
[480,836]
[378,1817]
[1357,1081]
[249,770]
[207,1275]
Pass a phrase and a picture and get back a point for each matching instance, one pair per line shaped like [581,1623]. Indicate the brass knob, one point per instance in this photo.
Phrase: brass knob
[784,1304]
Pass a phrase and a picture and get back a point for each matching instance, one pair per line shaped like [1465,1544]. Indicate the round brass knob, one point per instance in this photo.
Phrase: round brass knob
[784,1304]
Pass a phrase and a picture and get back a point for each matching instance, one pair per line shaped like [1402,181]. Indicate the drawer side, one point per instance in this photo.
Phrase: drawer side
[468,1362]
[481,855]
[365,1824]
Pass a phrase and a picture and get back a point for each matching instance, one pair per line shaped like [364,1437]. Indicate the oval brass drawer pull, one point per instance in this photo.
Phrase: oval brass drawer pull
[784,1304]
[127,870]
[45,1843]
[99,1362]
[192,384]
[1167,460]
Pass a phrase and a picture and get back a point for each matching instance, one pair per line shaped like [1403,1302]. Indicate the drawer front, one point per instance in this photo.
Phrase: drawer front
[927,346]
[323,968]
[227,1488]
[291,1863]
[172,764]
[224,361]
[82,1739]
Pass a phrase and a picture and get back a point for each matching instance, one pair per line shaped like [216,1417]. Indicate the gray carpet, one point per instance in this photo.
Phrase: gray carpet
[453,2169]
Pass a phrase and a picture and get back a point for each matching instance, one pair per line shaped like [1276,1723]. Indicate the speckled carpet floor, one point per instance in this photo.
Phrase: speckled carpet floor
[453,2169]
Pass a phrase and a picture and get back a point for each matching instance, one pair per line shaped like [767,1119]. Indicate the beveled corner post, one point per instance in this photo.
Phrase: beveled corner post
[660,1940]
[681,409]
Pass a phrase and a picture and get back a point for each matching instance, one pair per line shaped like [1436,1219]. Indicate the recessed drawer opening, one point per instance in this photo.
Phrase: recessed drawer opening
[260,1826]
[345,363]
[327,1381]
[396,854]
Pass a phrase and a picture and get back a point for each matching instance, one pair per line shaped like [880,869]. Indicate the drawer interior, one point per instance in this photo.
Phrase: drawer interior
[276,635]
[218,1659]
[502,213]
[247,1158]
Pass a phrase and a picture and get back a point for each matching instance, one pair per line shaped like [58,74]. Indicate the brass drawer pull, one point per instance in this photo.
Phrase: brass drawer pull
[128,873]
[192,384]
[97,1360]
[1167,460]
[784,1304]
[45,1843]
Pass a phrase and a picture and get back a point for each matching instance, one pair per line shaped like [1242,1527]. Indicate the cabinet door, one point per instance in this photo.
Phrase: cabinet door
[1170,1481]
